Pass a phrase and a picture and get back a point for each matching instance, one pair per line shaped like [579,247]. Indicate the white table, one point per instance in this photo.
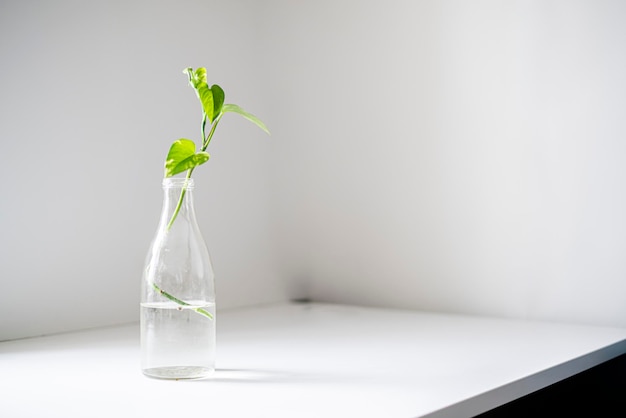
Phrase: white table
[307,360]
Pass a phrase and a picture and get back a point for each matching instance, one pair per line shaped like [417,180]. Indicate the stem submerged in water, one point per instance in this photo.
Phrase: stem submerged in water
[201,311]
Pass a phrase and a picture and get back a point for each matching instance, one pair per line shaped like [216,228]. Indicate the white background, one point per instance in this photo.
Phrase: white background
[439,155]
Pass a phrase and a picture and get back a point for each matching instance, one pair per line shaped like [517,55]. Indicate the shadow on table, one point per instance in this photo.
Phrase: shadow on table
[261,376]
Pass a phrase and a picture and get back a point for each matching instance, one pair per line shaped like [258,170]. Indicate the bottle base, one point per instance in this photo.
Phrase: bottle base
[179,372]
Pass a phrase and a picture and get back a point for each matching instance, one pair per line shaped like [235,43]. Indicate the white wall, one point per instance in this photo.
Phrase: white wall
[91,96]
[444,155]
[456,156]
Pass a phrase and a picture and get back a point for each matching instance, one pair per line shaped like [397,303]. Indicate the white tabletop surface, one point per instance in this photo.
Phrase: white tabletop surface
[307,360]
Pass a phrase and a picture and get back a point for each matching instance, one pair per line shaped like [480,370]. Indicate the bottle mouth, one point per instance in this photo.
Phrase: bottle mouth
[177,183]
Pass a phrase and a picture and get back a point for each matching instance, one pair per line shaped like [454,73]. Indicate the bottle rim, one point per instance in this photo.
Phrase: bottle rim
[178,183]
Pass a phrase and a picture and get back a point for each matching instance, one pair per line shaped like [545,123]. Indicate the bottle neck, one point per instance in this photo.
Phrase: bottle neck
[177,202]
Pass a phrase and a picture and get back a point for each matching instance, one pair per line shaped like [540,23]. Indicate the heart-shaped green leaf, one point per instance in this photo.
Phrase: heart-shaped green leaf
[206,98]
[218,99]
[236,109]
[182,156]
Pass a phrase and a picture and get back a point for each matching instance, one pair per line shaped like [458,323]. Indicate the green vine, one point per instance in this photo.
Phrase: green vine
[182,155]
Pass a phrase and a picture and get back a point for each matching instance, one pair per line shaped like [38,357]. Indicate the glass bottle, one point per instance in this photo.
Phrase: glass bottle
[178,293]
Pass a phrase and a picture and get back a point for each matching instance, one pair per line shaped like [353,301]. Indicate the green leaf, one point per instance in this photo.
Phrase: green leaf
[218,99]
[197,79]
[182,156]
[236,109]
[206,98]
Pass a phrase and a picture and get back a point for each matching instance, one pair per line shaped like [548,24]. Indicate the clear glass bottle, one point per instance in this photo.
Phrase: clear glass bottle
[178,293]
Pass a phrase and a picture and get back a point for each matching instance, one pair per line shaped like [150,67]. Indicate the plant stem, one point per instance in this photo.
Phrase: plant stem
[205,143]
[201,311]
[180,200]
[204,119]
[207,140]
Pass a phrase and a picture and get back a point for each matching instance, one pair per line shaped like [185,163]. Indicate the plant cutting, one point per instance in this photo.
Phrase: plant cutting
[178,297]
[182,156]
